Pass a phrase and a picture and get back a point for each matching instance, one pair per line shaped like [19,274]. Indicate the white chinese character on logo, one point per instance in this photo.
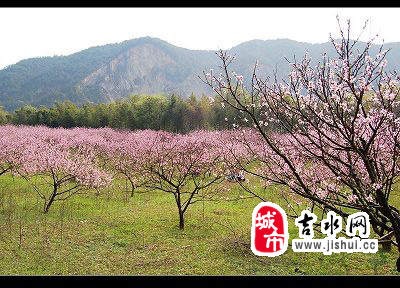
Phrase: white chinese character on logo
[265,221]
[272,238]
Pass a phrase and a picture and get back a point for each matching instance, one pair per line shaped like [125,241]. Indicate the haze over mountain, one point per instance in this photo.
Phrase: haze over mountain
[144,65]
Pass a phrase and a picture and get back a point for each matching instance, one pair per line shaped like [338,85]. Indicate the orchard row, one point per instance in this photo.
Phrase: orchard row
[59,162]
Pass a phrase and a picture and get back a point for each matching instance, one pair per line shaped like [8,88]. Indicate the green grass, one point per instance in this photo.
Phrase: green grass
[115,234]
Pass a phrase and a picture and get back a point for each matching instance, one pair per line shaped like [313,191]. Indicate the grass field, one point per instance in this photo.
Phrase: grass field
[115,234]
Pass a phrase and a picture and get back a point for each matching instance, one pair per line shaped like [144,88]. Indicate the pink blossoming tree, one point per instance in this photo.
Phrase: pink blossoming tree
[187,166]
[339,130]
[57,164]
[125,153]
[11,145]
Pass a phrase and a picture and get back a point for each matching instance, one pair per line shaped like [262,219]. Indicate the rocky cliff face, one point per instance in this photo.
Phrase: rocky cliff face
[143,69]
[137,70]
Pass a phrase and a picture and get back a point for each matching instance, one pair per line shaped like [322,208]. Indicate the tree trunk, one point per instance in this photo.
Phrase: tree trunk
[181,221]
[133,188]
[398,264]
[180,210]
[51,200]
[397,237]
[398,259]
[393,219]
[386,242]
[387,246]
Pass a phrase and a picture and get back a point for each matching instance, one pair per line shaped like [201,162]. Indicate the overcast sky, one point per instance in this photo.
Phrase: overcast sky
[33,32]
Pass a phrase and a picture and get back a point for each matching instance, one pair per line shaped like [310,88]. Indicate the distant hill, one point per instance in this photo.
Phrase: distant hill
[143,65]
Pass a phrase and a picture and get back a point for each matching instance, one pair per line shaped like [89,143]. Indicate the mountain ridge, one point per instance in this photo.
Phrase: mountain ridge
[147,65]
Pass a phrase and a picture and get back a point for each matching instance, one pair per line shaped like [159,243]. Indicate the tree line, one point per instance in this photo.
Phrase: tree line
[171,113]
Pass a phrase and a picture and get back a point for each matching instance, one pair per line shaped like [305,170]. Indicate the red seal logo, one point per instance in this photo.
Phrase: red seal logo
[269,231]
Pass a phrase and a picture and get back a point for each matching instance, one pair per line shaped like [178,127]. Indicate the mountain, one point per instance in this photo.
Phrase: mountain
[144,65]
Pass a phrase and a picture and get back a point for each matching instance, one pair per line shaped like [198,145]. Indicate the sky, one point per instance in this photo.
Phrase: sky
[35,32]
